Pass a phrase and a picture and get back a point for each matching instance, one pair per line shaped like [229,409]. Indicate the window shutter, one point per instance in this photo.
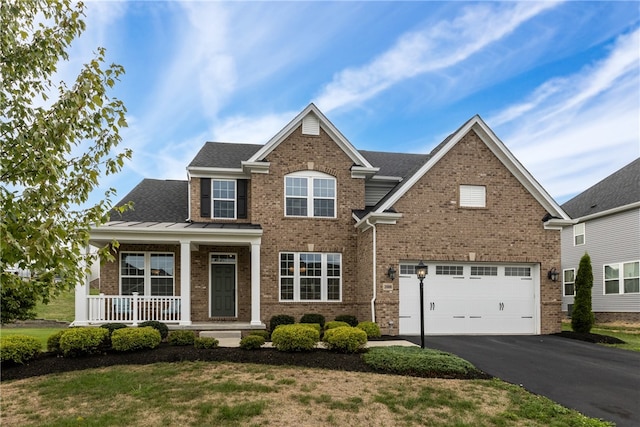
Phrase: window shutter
[241,186]
[205,197]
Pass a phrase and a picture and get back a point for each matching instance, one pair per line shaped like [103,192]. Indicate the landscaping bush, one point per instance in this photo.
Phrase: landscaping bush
[315,326]
[295,337]
[181,337]
[132,339]
[113,326]
[345,339]
[334,324]
[351,320]
[372,329]
[84,341]
[205,342]
[280,319]
[313,318]
[159,326]
[582,317]
[416,361]
[53,342]
[261,333]
[251,342]
[19,348]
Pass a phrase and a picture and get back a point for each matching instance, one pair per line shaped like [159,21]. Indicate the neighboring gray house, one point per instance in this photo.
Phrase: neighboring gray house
[606,225]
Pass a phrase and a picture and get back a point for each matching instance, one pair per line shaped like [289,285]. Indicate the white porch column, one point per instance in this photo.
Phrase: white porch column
[255,284]
[81,317]
[185,282]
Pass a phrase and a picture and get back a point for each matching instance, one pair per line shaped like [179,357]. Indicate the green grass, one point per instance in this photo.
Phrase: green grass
[414,360]
[629,334]
[226,394]
[61,308]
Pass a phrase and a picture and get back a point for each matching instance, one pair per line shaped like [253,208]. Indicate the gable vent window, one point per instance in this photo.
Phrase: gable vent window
[310,125]
[473,196]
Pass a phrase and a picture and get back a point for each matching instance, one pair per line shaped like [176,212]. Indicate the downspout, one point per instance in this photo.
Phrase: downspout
[373,299]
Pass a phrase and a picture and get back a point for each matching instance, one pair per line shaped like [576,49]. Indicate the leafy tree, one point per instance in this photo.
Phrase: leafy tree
[56,142]
[582,318]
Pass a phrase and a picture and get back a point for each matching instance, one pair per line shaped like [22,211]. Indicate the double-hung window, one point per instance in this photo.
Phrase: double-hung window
[310,194]
[310,276]
[568,280]
[578,234]
[622,278]
[224,198]
[147,273]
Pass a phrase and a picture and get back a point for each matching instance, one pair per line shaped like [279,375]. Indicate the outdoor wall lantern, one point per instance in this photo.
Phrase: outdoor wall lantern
[421,272]
[553,274]
[391,272]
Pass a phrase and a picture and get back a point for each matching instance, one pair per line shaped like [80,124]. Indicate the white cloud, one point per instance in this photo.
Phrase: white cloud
[573,131]
[251,130]
[434,48]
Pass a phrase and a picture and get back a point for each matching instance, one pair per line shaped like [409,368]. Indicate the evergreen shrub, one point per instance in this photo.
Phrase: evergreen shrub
[251,342]
[181,338]
[84,341]
[295,337]
[19,348]
[132,339]
[205,342]
[348,318]
[280,319]
[335,324]
[159,326]
[371,328]
[313,318]
[345,339]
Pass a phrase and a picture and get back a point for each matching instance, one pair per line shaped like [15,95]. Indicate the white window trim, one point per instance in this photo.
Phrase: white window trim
[565,283]
[296,278]
[147,271]
[580,230]
[473,196]
[310,176]
[234,199]
[620,278]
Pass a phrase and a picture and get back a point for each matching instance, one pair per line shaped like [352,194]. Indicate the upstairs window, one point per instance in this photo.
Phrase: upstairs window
[310,194]
[224,199]
[578,234]
[473,196]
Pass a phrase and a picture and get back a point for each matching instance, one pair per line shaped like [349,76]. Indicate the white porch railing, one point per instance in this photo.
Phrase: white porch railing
[133,308]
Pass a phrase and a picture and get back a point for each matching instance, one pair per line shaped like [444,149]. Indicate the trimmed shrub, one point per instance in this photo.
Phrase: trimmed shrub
[315,326]
[334,324]
[84,341]
[113,326]
[351,320]
[132,339]
[159,326]
[181,338]
[280,319]
[19,348]
[53,342]
[417,361]
[261,333]
[372,329]
[205,342]
[298,337]
[313,318]
[251,342]
[345,339]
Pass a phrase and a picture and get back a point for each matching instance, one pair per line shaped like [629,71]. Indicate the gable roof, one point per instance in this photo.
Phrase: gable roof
[499,150]
[325,124]
[156,200]
[400,165]
[619,189]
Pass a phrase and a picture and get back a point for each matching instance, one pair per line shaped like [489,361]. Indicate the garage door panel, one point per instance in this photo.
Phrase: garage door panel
[464,304]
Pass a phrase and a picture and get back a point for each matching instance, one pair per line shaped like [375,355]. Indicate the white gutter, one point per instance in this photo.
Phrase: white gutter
[373,299]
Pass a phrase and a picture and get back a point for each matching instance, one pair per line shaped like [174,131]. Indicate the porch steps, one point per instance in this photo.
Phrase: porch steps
[225,338]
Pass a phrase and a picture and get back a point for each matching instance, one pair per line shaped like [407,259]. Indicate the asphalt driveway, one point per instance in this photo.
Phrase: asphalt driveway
[600,382]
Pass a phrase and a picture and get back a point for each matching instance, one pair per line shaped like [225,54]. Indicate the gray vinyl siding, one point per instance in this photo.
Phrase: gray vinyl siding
[610,239]
[376,190]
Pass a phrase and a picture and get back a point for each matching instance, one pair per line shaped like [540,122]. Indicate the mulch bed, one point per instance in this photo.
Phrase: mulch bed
[589,337]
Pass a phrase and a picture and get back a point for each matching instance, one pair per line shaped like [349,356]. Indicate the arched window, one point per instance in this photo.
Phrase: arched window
[310,194]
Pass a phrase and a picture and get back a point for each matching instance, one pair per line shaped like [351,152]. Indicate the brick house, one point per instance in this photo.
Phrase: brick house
[306,223]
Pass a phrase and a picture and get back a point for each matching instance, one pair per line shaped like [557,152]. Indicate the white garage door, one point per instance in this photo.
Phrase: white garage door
[470,299]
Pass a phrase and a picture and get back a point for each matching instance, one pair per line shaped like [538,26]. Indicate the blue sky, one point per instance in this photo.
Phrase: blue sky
[558,82]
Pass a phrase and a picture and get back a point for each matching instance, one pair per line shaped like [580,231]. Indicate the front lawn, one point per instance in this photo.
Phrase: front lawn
[229,394]
[40,333]
[630,334]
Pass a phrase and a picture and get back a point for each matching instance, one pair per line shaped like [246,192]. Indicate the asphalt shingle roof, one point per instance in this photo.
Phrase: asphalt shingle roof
[156,200]
[618,189]
[395,164]
[224,155]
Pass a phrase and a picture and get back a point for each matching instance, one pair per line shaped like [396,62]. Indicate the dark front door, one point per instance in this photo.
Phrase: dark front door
[223,290]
